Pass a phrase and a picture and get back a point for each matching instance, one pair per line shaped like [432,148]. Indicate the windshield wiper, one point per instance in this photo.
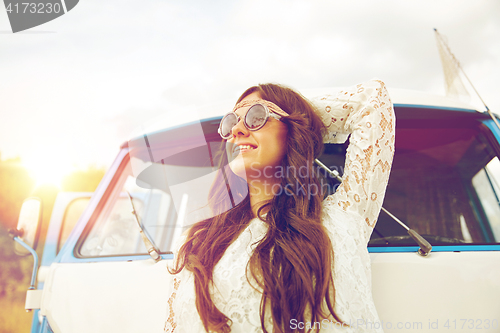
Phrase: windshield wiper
[425,247]
[153,251]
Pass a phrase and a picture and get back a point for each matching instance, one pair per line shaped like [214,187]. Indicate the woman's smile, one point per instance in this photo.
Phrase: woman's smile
[242,148]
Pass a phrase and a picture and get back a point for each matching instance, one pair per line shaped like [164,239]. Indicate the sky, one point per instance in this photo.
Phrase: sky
[73,89]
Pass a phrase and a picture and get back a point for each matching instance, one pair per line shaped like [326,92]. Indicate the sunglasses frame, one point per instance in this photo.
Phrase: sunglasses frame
[269,113]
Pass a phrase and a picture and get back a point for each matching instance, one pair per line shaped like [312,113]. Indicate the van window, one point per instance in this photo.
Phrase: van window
[486,185]
[443,184]
[73,212]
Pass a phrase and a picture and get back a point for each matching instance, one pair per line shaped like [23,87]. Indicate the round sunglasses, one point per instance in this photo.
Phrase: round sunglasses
[255,118]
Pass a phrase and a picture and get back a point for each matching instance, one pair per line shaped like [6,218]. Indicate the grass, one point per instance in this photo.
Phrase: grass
[13,317]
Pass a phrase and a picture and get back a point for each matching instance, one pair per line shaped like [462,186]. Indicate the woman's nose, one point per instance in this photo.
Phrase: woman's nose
[240,129]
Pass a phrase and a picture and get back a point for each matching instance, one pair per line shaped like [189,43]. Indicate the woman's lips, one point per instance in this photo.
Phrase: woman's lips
[243,148]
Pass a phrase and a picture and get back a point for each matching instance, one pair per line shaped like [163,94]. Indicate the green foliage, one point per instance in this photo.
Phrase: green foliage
[83,180]
[13,317]
[15,186]
[15,271]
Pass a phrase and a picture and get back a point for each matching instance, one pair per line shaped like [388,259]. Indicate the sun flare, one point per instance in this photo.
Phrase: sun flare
[47,169]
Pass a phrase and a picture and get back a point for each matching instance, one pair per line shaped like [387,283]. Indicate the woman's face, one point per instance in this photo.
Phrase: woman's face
[255,154]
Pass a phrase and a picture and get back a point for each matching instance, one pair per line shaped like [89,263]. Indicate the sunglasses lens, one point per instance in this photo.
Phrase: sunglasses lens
[227,124]
[256,117]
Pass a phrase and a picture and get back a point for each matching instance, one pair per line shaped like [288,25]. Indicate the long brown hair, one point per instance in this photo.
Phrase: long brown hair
[292,264]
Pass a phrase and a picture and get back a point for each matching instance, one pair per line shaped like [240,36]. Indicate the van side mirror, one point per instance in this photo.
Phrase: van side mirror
[26,237]
[28,225]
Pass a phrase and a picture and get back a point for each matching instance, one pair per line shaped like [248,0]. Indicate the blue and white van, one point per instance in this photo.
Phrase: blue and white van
[96,274]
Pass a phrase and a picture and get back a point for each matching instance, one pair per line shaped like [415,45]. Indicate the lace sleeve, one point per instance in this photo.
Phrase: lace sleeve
[366,112]
[170,321]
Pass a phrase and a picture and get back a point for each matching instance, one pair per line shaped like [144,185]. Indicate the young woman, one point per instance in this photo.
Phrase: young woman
[278,256]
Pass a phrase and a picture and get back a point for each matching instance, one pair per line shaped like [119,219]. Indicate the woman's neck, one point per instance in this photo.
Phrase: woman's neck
[261,191]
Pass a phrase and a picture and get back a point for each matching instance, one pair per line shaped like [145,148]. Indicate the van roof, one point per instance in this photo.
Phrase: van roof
[407,98]
[401,98]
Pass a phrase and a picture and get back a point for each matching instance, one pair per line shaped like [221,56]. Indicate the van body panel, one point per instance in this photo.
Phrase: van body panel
[128,296]
[443,287]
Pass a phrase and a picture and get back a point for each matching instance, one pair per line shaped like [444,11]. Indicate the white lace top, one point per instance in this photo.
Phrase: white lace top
[364,111]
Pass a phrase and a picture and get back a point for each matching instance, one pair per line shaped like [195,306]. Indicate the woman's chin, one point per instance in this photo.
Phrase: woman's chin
[237,166]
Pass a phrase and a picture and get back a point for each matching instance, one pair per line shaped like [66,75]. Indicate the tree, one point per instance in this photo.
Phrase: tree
[15,185]
[83,180]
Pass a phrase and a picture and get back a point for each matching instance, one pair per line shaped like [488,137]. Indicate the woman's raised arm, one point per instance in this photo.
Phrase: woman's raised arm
[365,111]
